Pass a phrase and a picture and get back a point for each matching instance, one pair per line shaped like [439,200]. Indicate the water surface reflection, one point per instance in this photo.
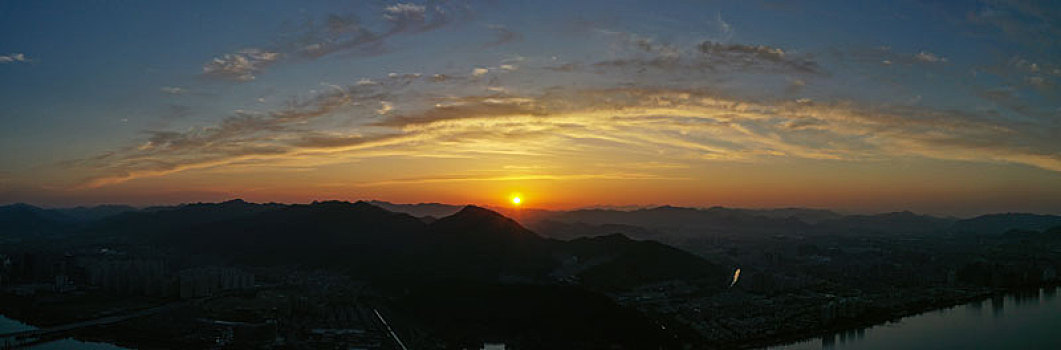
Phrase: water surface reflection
[1024,320]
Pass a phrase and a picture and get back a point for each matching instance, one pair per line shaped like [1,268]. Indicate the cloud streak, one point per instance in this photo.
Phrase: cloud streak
[336,33]
[173,90]
[708,55]
[241,65]
[14,58]
[755,55]
[928,57]
[651,120]
[676,126]
[525,177]
[503,36]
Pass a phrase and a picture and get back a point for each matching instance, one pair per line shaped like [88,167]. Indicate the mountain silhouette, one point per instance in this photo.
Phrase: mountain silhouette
[23,219]
[616,262]
[95,213]
[480,244]
[474,244]
[903,222]
[1000,223]
[165,220]
[435,210]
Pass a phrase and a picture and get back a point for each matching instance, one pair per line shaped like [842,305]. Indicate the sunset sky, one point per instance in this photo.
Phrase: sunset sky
[949,108]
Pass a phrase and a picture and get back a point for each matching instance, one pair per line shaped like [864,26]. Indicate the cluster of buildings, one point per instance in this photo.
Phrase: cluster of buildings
[120,276]
[116,274]
[209,281]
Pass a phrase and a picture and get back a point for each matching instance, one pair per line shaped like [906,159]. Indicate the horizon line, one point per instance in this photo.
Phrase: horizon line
[622,208]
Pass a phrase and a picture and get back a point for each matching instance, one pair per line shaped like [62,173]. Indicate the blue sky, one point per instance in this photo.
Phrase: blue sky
[152,102]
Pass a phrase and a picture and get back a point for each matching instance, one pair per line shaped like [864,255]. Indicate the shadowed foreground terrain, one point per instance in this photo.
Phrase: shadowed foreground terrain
[373,274]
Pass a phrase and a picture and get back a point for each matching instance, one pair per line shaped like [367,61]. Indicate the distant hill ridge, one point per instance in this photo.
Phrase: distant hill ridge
[473,244]
[23,219]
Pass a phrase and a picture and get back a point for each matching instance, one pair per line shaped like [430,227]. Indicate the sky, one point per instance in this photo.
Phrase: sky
[948,108]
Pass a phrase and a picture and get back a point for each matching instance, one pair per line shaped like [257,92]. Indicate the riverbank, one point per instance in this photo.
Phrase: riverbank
[873,319]
[48,310]
[880,309]
[9,325]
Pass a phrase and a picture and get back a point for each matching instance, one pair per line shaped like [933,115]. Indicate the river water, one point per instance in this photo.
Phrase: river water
[1028,320]
[8,325]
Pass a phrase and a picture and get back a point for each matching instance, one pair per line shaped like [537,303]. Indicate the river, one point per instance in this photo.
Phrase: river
[8,325]
[1028,320]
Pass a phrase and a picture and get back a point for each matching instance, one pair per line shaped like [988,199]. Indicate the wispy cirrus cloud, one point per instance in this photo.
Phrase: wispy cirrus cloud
[468,107]
[174,111]
[241,65]
[708,55]
[173,90]
[14,58]
[756,55]
[336,33]
[928,57]
[526,177]
[448,115]
[665,125]
[408,17]
[889,56]
[503,36]
[1034,22]
[242,135]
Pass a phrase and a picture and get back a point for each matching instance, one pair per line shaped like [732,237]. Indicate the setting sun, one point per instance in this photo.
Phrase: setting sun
[516,200]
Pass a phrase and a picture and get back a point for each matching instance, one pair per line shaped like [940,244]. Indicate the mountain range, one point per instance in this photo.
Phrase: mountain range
[471,272]
[473,244]
[645,223]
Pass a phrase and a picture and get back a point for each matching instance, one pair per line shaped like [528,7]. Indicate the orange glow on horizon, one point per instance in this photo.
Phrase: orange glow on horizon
[845,186]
